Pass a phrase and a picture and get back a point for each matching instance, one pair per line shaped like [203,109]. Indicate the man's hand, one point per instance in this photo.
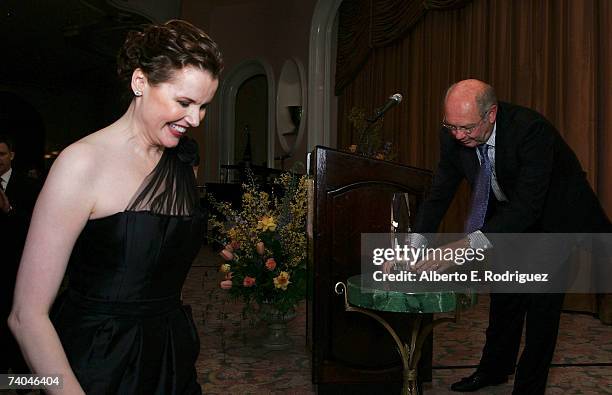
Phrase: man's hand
[5,205]
[388,266]
[433,265]
[442,266]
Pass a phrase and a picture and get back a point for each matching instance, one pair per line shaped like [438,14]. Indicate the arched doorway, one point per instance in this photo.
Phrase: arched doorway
[251,122]
[230,89]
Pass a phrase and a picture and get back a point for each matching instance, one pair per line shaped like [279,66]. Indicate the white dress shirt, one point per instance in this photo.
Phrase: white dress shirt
[4,179]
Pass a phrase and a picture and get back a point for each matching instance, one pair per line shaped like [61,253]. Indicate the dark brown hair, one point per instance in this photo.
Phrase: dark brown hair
[8,141]
[160,50]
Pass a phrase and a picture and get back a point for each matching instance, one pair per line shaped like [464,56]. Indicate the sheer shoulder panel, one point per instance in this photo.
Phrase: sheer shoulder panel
[170,189]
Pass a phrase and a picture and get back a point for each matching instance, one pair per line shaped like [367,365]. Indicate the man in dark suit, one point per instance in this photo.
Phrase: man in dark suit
[18,194]
[525,179]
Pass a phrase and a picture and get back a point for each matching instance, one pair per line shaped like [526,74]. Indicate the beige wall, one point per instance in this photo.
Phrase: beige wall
[269,30]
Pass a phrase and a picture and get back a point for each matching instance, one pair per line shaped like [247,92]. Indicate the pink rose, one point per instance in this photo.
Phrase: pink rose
[226,254]
[235,244]
[226,284]
[270,264]
[248,281]
[261,248]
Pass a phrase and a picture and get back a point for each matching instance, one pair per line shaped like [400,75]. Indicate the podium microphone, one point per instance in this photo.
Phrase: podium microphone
[392,101]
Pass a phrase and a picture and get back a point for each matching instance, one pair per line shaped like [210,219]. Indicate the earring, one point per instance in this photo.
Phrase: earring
[137,93]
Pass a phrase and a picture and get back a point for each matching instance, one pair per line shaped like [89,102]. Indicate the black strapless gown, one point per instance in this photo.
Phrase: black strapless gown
[121,320]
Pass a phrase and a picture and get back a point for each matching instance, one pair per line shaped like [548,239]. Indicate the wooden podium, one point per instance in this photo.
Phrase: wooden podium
[352,195]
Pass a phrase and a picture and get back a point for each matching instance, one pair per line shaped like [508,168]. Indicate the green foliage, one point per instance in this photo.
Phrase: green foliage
[369,141]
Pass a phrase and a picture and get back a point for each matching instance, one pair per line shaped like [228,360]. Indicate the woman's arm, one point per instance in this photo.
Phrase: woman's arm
[62,209]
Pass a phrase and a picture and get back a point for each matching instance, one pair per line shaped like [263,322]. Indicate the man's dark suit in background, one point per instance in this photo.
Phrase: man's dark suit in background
[544,190]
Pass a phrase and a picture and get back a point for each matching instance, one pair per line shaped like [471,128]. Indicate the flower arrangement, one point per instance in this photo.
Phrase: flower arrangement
[369,143]
[265,243]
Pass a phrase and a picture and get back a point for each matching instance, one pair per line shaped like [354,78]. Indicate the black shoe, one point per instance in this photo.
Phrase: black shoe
[477,381]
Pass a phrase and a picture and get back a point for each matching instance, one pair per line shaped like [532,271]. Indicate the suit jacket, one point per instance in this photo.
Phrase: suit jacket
[547,189]
[22,192]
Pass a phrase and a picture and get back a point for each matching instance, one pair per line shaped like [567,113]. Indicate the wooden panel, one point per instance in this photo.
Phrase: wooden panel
[352,195]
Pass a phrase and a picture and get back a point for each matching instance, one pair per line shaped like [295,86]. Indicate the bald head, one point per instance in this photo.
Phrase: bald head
[469,95]
[471,103]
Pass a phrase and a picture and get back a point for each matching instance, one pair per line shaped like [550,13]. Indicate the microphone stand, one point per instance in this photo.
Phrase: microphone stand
[364,132]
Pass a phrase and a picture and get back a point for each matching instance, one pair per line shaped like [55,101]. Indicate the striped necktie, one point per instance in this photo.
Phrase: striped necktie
[480,197]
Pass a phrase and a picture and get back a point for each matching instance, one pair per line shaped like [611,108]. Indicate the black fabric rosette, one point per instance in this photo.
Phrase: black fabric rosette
[187,151]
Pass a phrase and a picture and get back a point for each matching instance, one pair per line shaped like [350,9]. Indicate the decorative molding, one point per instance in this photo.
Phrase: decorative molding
[320,77]
[229,90]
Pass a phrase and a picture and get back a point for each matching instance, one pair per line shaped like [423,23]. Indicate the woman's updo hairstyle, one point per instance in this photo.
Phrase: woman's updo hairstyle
[160,50]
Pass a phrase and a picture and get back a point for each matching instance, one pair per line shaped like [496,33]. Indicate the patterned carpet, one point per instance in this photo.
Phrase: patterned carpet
[232,360]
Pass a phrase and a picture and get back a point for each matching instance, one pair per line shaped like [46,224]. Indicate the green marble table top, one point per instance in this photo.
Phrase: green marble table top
[367,293]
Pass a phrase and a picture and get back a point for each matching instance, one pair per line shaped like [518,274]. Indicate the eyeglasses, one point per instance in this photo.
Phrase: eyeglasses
[467,129]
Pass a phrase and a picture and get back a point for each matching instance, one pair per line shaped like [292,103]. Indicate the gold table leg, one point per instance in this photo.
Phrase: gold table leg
[410,353]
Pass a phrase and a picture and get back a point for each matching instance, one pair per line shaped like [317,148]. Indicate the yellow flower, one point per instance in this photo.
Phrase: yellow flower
[225,268]
[266,223]
[232,233]
[282,281]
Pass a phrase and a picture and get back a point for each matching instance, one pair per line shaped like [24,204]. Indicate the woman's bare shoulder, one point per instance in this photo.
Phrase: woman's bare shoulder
[78,158]
[88,153]
[82,162]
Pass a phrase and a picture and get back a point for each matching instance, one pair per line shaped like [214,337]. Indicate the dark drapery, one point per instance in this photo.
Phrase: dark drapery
[551,55]
[369,24]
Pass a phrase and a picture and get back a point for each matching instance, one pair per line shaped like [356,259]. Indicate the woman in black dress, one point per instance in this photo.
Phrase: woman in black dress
[119,212]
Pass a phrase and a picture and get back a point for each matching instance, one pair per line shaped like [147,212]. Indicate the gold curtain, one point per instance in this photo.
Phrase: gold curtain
[551,55]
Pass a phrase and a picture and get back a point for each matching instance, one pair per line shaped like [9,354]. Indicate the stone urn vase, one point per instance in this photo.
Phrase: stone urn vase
[276,337]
